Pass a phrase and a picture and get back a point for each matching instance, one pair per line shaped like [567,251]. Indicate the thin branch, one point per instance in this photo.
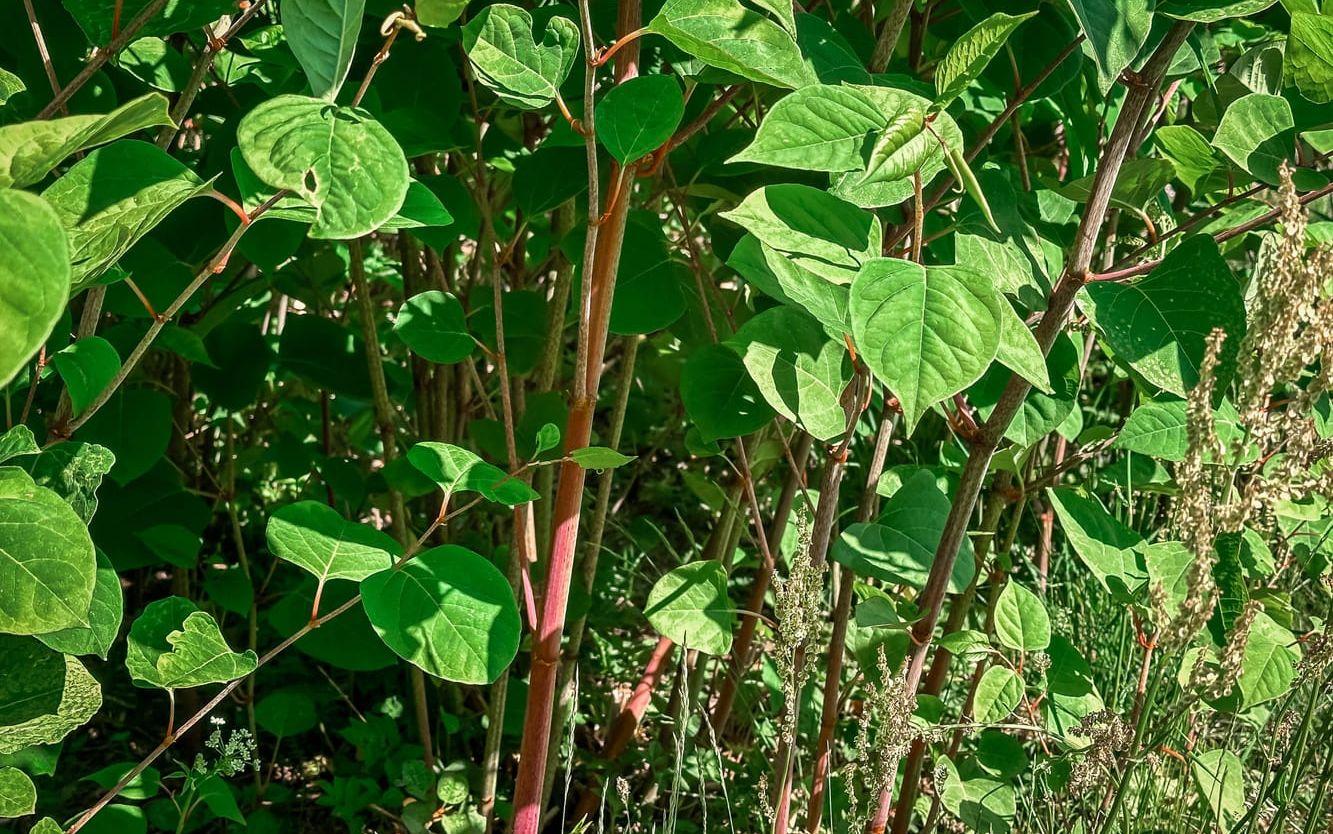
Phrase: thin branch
[100,57]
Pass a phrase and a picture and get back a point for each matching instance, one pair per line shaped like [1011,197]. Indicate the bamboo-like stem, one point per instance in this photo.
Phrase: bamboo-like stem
[889,33]
[1052,323]
[842,610]
[601,263]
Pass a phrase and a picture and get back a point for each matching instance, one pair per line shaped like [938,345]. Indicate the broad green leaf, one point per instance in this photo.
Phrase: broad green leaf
[1269,665]
[1158,324]
[154,62]
[1140,181]
[448,611]
[900,546]
[1116,30]
[1167,564]
[1041,413]
[1211,11]
[925,332]
[174,645]
[1309,57]
[777,276]
[46,825]
[800,371]
[338,159]
[86,367]
[322,35]
[1255,133]
[727,35]
[18,442]
[1070,689]
[822,127]
[970,54]
[44,695]
[1157,428]
[817,231]
[135,424]
[18,795]
[1105,545]
[599,457]
[1220,778]
[47,564]
[286,713]
[327,353]
[720,396]
[29,150]
[982,805]
[439,13]
[501,43]
[455,470]
[114,196]
[690,605]
[638,116]
[1189,152]
[95,16]
[1020,619]
[34,277]
[314,536]
[434,325]
[998,694]
[104,617]
[1018,349]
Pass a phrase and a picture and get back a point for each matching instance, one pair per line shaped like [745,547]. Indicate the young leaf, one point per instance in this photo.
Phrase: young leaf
[926,332]
[501,44]
[338,159]
[18,442]
[998,694]
[174,645]
[456,470]
[322,35]
[638,116]
[34,277]
[599,457]
[448,611]
[1116,31]
[1308,65]
[47,564]
[18,795]
[690,605]
[970,54]
[314,536]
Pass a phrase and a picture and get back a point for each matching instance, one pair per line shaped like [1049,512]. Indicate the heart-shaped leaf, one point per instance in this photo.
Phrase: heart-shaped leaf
[314,536]
[501,44]
[174,645]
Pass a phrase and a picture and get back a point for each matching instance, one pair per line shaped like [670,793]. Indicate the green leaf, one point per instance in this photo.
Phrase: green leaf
[322,35]
[501,44]
[970,54]
[690,605]
[900,546]
[44,695]
[74,471]
[47,564]
[34,277]
[720,396]
[983,805]
[10,86]
[434,325]
[439,13]
[925,332]
[818,232]
[1041,413]
[1309,57]
[104,617]
[136,425]
[18,795]
[777,276]
[822,127]
[727,35]
[448,611]
[999,692]
[1255,133]
[1018,349]
[599,457]
[1105,545]
[154,62]
[174,645]
[456,470]
[286,713]
[29,150]
[1188,152]
[1211,11]
[1220,777]
[314,536]
[87,367]
[114,196]
[338,159]
[1157,428]
[1116,30]
[638,116]
[1269,664]
[18,442]
[1020,619]
[800,371]
[95,16]
[1159,324]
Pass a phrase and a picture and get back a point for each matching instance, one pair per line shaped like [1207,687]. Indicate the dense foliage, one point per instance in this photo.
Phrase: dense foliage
[703,414]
